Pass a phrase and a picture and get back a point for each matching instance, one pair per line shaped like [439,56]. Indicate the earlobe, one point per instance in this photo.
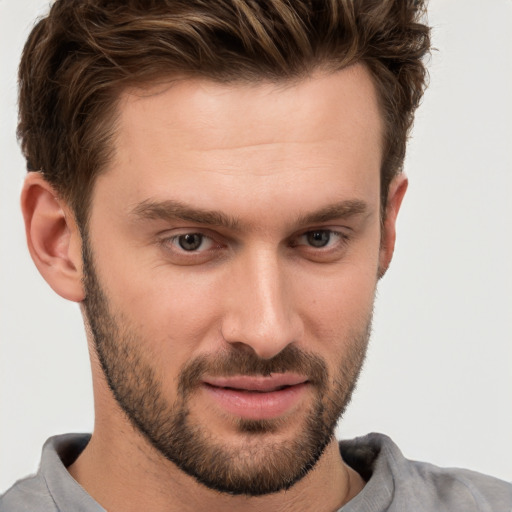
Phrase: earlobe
[53,237]
[397,189]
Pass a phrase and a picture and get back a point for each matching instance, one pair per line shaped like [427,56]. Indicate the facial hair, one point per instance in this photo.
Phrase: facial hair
[260,465]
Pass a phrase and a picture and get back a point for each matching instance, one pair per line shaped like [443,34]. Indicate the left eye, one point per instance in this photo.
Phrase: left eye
[319,238]
[191,241]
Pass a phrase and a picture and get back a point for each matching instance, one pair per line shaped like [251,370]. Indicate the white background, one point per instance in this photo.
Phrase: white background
[438,376]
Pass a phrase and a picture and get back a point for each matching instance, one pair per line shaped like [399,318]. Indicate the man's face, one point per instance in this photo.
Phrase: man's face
[231,264]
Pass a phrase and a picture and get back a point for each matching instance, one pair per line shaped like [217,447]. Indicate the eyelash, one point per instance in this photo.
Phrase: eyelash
[176,239]
[342,238]
[171,244]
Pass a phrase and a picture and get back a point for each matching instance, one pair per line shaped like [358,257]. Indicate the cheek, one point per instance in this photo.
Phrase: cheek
[175,312]
[339,305]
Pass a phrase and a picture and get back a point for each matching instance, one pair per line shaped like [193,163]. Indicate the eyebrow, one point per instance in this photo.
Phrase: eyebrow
[341,210]
[171,210]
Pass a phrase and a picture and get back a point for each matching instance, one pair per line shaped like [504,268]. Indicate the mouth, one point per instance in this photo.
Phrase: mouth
[257,398]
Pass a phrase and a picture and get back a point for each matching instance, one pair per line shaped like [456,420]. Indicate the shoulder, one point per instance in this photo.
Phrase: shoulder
[29,494]
[455,487]
[52,488]
[420,486]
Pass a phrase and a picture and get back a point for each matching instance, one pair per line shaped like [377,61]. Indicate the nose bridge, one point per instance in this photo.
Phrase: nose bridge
[261,312]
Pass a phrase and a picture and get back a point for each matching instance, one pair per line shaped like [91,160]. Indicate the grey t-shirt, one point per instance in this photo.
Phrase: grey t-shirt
[394,484]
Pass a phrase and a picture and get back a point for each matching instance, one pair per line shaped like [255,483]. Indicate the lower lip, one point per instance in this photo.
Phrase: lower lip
[252,405]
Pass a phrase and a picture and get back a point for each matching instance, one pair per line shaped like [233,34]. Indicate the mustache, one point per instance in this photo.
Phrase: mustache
[246,362]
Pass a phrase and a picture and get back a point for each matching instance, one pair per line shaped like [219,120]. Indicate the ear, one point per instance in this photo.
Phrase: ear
[53,237]
[396,192]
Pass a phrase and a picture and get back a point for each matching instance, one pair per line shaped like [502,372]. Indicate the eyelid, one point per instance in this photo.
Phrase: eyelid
[336,231]
[335,251]
[167,238]
[218,243]
[172,252]
[205,240]
[180,230]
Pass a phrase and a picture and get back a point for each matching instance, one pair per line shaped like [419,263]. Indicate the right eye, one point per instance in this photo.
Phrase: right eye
[190,247]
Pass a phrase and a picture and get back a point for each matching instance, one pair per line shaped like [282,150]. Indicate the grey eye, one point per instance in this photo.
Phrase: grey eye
[190,241]
[318,238]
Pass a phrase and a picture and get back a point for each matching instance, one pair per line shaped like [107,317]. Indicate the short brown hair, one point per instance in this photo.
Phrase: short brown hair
[80,57]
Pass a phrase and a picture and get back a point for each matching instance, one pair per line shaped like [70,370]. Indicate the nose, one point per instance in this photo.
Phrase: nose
[261,312]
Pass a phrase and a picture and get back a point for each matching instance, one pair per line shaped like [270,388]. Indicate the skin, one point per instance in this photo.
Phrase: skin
[268,156]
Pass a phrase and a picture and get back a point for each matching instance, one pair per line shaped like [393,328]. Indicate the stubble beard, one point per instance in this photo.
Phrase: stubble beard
[259,465]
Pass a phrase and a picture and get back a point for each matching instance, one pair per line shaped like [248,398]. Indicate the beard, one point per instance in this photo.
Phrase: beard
[263,462]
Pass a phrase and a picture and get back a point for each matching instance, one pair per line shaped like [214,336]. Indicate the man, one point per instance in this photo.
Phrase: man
[217,185]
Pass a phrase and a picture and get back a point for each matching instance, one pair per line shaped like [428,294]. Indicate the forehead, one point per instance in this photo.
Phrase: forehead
[308,106]
[258,140]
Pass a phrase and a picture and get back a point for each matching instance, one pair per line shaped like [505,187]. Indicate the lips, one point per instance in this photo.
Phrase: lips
[262,384]
[256,397]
